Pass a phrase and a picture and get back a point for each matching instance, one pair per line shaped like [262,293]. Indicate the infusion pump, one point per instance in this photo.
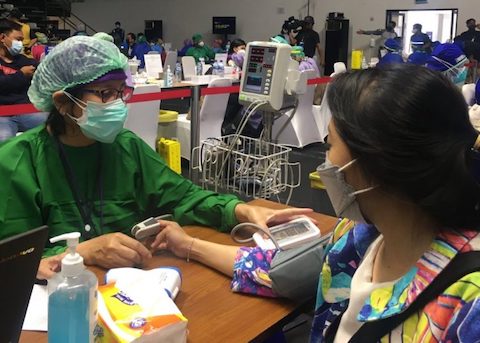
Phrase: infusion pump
[270,76]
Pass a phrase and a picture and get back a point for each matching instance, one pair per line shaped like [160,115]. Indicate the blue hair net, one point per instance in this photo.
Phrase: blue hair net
[76,61]
[392,45]
[446,56]
[418,58]
[477,92]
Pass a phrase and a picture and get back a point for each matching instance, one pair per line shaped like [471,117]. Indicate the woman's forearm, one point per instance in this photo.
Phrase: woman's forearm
[217,256]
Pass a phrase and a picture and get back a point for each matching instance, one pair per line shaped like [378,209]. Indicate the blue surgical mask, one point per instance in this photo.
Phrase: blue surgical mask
[16,48]
[99,121]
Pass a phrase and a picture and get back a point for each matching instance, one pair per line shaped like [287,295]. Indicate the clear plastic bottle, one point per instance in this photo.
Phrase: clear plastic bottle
[199,68]
[168,77]
[178,72]
[221,69]
[215,68]
[72,301]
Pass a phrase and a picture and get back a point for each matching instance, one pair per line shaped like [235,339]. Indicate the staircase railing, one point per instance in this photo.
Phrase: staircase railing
[66,4]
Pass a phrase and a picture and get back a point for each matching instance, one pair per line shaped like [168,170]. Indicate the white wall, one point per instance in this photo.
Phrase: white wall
[370,14]
[256,19]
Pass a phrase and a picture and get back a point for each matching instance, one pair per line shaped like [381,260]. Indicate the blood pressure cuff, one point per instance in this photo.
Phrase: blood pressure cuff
[295,272]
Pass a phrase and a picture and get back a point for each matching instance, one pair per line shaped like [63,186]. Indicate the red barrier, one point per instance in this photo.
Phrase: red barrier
[171,94]
[219,90]
[9,110]
[319,80]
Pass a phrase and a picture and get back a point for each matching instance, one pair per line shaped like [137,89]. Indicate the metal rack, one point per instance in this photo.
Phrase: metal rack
[244,165]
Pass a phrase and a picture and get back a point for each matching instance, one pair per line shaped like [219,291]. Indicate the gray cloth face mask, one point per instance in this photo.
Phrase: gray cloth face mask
[341,194]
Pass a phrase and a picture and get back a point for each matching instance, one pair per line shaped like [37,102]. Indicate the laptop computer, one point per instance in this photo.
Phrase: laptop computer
[19,259]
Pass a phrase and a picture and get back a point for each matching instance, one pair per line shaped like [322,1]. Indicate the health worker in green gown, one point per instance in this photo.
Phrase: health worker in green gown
[200,50]
[83,172]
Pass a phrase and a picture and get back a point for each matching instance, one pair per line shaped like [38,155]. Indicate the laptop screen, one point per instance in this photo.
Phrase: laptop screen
[19,259]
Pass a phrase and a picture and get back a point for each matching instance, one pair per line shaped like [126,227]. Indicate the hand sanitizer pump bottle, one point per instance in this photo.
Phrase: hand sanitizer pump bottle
[72,301]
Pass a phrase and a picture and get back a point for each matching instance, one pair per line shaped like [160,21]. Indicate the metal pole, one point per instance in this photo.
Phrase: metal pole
[194,129]
[268,126]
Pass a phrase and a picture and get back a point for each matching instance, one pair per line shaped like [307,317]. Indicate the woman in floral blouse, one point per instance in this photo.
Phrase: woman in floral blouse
[402,167]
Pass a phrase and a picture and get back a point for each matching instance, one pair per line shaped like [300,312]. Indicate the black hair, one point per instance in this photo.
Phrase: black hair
[418,26]
[134,37]
[470,20]
[55,120]
[117,23]
[16,13]
[409,128]
[393,22]
[7,26]
[235,44]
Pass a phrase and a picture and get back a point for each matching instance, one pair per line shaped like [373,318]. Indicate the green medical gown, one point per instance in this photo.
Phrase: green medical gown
[137,184]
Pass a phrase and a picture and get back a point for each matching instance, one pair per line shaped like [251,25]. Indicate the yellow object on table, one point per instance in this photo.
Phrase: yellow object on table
[165,116]
[315,181]
[357,57]
[169,149]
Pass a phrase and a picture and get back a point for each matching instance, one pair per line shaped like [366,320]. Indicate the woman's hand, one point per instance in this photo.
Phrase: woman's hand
[49,266]
[267,217]
[113,250]
[173,238]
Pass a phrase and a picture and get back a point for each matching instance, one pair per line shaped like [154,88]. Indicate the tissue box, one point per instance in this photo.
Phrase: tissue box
[139,311]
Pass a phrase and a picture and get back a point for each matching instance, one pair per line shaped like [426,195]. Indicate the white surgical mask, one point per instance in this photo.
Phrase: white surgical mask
[202,43]
[16,48]
[341,194]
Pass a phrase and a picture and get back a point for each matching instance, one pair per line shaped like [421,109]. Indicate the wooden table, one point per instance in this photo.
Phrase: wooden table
[214,312]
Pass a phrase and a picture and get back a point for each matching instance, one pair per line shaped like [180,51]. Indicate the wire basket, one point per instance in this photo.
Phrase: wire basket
[246,166]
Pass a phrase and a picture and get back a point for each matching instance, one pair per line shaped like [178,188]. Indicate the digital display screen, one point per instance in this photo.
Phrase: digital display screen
[290,230]
[224,25]
[254,83]
[150,222]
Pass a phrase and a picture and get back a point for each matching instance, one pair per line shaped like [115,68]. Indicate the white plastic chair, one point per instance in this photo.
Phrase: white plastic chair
[171,60]
[302,129]
[322,112]
[211,118]
[142,117]
[468,92]
[188,66]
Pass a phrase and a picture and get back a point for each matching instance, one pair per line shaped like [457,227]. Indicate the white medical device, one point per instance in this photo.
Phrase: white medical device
[132,280]
[149,227]
[289,235]
[270,76]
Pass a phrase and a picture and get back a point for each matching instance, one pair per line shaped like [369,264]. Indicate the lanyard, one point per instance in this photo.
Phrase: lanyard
[84,207]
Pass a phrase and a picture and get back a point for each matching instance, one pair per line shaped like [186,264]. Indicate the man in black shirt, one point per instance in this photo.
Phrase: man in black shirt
[311,40]
[470,40]
[118,34]
[16,73]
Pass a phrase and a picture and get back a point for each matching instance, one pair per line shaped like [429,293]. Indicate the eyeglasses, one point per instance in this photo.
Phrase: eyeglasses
[111,94]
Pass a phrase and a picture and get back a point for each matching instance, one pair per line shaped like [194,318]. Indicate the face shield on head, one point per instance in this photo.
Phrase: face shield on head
[457,73]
